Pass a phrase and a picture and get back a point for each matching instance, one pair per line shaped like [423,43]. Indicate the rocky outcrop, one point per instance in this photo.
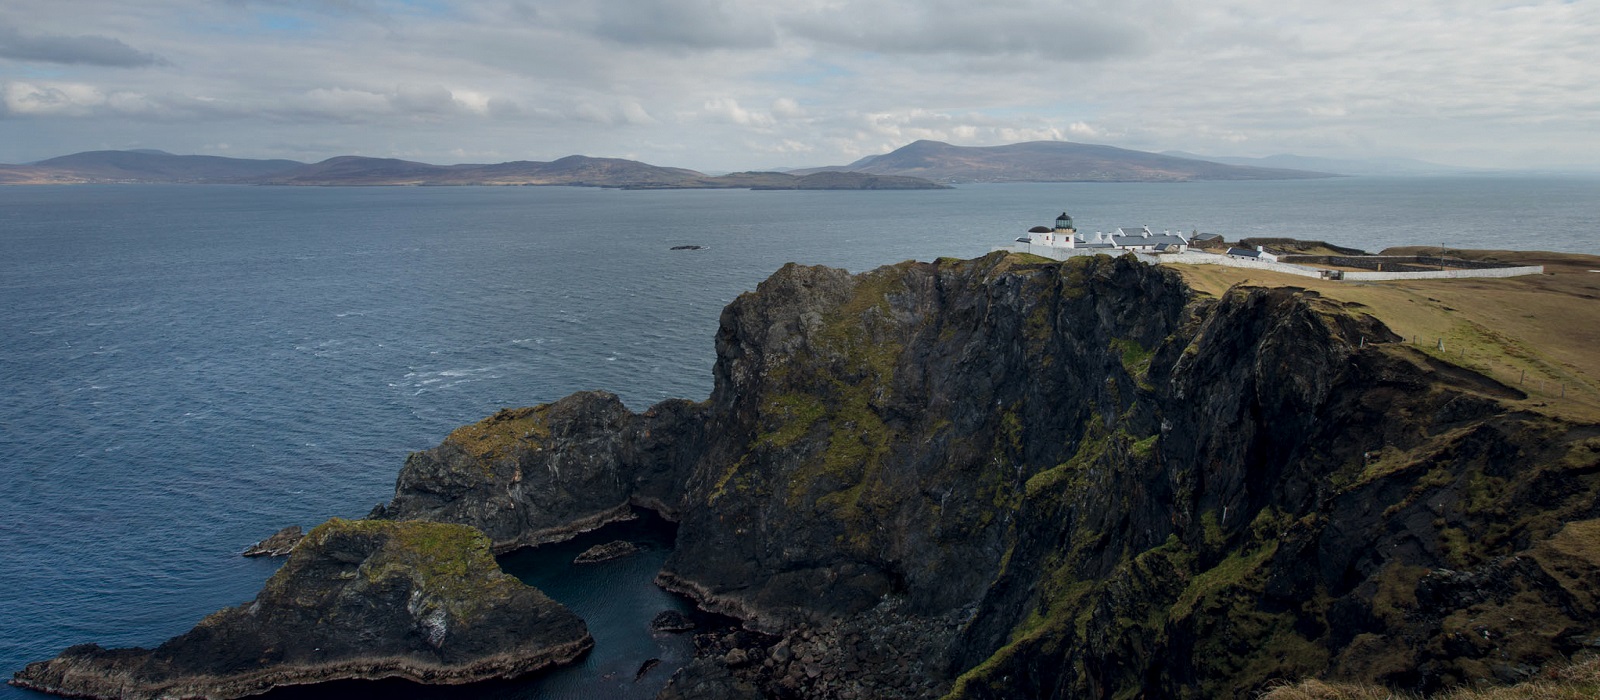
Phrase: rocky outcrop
[671,621]
[533,475]
[278,545]
[606,552]
[1072,479]
[356,600]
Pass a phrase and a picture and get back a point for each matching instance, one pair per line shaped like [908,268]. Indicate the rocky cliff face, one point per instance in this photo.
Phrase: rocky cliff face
[1068,480]
[357,599]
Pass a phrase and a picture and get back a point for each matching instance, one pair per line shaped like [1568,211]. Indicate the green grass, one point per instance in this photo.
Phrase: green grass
[1229,572]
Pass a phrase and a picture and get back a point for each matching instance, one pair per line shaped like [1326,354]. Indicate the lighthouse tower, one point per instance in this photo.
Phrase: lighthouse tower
[1065,234]
[1064,224]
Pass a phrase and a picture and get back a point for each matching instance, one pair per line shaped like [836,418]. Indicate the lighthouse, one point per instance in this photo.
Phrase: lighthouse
[1064,224]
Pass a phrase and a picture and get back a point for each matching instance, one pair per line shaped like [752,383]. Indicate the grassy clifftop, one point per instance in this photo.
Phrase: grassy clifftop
[1536,333]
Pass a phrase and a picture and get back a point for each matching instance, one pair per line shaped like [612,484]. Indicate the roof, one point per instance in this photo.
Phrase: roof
[1244,252]
[1141,240]
[1207,236]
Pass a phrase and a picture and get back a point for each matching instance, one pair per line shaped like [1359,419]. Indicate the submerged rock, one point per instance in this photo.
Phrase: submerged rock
[356,600]
[645,668]
[279,544]
[606,552]
[671,621]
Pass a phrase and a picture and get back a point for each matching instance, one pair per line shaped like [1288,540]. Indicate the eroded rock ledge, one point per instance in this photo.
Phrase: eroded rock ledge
[420,601]
[1075,479]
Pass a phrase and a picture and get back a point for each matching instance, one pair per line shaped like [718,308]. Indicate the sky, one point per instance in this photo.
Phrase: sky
[720,85]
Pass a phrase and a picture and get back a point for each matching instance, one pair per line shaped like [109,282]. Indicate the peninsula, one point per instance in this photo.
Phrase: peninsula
[1021,477]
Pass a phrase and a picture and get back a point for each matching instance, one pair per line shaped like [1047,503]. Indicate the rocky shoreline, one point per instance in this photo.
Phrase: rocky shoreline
[1008,477]
[367,600]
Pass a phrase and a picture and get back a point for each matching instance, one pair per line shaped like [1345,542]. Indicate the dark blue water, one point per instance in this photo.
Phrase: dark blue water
[184,370]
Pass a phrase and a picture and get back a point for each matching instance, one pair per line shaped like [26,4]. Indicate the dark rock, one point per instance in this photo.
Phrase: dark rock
[688,247]
[278,545]
[671,621]
[645,668]
[534,475]
[606,552]
[1075,479]
[736,657]
[356,600]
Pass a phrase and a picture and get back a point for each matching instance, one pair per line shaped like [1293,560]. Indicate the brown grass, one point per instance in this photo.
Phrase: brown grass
[1536,333]
[1579,680]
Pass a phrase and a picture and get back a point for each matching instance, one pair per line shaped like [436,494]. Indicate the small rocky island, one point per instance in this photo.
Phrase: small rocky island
[356,600]
[606,552]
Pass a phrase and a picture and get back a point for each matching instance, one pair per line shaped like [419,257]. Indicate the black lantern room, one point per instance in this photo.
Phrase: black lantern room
[1064,223]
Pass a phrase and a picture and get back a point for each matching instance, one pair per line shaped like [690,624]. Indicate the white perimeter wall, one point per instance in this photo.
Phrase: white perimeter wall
[1447,274]
[1192,258]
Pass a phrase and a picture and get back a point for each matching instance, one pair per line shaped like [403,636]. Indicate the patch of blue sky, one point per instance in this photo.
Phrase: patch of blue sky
[45,72]
[283,23]
[254,24]
[812,72]
[425,8]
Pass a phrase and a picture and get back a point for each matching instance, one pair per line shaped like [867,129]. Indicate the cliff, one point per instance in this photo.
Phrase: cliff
[1009,477]
[357,599]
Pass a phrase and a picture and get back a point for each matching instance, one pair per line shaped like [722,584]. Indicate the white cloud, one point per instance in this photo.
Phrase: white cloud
[728,109]
[709,80]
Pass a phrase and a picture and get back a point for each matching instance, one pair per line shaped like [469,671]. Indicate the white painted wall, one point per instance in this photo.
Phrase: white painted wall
[1446,274]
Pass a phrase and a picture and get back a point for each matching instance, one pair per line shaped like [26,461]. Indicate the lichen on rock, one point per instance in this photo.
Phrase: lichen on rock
[419,601]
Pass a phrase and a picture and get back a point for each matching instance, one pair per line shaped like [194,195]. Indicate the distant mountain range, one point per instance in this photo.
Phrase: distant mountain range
[919,165]
[1341,166]
[147,166]
[1052,161]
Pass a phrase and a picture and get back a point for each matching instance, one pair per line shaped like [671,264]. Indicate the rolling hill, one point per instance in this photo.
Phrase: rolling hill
[1052,161]
[576,171]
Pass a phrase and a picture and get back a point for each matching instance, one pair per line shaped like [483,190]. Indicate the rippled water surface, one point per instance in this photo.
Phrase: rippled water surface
[184,370]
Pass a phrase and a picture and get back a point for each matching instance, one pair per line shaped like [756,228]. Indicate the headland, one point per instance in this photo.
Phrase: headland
[1016,476]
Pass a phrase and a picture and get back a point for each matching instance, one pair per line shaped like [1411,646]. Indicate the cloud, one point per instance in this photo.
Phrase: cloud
[705,83]
[675,24]
[728,109]
[62,99]
[88,49]
[1078,31]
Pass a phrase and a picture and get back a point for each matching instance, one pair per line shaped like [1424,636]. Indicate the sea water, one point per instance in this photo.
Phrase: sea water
[186,369]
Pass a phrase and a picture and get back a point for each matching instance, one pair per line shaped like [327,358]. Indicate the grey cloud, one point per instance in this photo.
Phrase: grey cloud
[88,49]
[677,24]
[427,99]
[1041,30]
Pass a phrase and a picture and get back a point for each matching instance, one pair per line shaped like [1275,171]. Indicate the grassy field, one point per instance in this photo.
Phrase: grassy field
[1579,680]
[1538,333]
